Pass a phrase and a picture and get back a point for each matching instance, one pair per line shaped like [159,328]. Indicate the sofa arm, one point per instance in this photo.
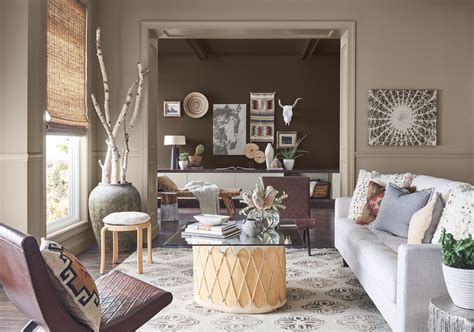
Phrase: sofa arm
[341,209]
[419,279]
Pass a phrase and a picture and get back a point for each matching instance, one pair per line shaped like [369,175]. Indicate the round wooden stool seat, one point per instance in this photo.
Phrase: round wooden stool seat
[125,222]
[126,218]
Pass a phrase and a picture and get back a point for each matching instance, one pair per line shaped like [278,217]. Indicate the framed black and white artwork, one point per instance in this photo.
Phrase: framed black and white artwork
[403,117]
[172,108]
[229,129]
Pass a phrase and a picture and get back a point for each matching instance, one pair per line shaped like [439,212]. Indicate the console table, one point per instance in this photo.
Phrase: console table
[246,179]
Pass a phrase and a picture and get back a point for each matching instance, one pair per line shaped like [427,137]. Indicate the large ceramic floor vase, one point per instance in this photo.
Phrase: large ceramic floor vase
[107,198]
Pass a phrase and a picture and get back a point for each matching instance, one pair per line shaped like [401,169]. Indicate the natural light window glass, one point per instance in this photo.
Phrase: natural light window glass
[66,62]
[62,197]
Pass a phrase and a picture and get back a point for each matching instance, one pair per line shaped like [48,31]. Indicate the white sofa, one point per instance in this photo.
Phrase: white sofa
[400,278]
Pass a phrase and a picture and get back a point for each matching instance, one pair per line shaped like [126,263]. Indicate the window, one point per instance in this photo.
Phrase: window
[62,181]
[66,113]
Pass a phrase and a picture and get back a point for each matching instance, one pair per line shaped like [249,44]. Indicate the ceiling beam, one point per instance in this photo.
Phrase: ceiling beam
[199,47]
[309,49]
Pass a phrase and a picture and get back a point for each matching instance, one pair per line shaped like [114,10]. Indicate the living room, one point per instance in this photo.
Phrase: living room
[352,63]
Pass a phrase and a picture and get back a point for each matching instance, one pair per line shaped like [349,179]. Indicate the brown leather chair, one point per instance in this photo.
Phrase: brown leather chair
[297,204]
[127,303]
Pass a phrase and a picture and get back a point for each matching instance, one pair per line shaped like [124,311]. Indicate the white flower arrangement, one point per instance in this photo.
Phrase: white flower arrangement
[262,199]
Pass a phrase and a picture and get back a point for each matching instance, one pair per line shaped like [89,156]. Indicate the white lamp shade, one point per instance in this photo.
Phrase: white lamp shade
[175,140]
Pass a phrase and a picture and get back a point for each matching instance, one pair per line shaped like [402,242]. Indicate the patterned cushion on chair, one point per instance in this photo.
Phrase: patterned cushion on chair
[73,284]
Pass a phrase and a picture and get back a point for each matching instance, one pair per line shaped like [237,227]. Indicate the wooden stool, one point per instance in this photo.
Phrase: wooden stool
[125,222]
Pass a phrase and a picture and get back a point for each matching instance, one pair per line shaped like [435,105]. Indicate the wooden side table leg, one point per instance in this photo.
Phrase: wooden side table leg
[149,240]
[102,249]
[115,236]
[139,249]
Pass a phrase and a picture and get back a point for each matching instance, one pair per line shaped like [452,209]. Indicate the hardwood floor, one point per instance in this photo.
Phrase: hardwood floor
[321,237]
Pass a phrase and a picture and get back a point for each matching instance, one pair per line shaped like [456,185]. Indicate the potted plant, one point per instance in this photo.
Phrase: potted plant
[290,154]
[197,158]
[183,160]
[458,269]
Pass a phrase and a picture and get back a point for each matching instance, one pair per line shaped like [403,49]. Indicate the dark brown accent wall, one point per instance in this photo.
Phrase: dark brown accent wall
[230,78]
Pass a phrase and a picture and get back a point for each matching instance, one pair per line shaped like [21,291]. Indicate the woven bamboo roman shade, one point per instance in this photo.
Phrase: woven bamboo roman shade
[66,56]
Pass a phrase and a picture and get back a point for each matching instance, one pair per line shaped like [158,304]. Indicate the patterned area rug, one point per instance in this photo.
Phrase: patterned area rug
[322,296]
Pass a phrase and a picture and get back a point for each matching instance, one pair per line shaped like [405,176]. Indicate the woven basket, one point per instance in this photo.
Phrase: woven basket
[321,189]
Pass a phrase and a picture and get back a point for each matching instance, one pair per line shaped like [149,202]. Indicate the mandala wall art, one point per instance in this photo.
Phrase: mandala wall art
[402,117]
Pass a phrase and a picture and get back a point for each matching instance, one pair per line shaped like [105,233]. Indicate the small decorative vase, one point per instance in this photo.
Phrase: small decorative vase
[269,154]
[183,164]
[252,227]
[460,285]
[269,218]
[195,160]
[289,164]
[107,198]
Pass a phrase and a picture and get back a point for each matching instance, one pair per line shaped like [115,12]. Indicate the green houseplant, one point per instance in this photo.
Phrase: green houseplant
[197,158]
[458,268]
[183,160]
[290,154]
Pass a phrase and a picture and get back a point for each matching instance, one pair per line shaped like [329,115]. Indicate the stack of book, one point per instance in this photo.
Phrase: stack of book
[222,231]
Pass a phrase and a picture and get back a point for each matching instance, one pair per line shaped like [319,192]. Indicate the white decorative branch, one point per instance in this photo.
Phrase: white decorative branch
[127,133]
[108,169]
[112,170]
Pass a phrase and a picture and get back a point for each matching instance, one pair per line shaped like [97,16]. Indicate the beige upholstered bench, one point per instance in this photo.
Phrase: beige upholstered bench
[125,222]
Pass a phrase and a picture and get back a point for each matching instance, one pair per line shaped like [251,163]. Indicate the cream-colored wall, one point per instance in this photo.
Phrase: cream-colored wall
[399,44]
[22,77]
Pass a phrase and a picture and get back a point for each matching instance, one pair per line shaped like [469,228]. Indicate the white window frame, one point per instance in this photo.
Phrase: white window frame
[74,189]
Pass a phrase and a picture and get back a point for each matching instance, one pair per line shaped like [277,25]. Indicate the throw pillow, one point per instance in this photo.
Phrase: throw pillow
[166,184]
[375,194]
[359,197]
[458,215]
[397,208]
[424,222]
[72,283]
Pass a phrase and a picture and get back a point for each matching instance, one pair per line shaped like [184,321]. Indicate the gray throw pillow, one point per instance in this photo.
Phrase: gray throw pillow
[436,216]
[397,208]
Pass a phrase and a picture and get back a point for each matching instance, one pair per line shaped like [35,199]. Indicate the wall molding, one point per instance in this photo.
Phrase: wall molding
[20,157]
[385,154]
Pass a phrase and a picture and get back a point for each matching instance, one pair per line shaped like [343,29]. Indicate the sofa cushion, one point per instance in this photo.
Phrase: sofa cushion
[458,215]
[443,186]
[380,261]
[390,240]
[425,221]
[397,208]
[359,197]
[375,195]
[351,233]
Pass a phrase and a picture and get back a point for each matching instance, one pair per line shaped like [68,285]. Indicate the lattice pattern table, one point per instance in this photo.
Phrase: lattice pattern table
[241,274]
[240,279]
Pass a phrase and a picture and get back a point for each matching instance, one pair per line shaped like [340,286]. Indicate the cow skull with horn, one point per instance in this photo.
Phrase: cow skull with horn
[288,111]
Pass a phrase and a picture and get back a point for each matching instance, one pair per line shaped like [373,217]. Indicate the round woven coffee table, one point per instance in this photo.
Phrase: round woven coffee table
[445,316]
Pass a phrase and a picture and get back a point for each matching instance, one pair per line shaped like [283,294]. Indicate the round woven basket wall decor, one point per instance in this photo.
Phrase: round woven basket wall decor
[195,105]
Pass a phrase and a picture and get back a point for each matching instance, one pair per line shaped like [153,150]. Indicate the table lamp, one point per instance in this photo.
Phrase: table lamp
[174,140]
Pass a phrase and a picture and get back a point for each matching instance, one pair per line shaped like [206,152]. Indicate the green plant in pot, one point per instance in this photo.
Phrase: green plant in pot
[458,268]
[197,158]
[290,154]
[183,160]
